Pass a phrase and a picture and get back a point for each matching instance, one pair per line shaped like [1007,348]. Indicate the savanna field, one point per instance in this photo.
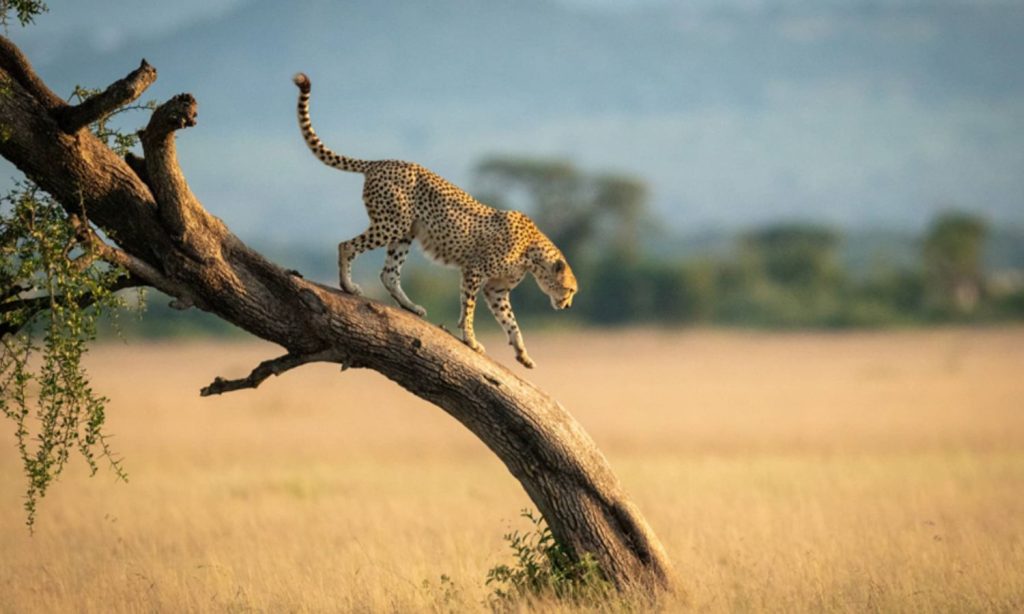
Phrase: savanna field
[784,472]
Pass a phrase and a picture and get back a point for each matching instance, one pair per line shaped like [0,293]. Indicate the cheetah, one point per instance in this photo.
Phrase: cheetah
[494,249]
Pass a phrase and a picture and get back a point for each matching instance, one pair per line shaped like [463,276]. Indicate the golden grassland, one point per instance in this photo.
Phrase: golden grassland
[798,472]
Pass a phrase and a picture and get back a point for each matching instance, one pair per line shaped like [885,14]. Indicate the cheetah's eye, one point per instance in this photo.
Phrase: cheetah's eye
[559,266]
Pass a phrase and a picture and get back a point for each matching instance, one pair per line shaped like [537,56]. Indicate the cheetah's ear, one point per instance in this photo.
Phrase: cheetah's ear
[559,266]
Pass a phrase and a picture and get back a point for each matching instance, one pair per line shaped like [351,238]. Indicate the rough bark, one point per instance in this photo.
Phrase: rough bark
[166,239]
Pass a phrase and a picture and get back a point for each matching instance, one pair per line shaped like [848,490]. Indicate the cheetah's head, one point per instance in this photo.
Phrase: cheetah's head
[555,278]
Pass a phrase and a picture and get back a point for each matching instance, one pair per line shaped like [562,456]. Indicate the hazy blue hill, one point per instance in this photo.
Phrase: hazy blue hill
[861,114]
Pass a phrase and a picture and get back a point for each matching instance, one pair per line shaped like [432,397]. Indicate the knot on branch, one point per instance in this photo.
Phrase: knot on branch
[177,113]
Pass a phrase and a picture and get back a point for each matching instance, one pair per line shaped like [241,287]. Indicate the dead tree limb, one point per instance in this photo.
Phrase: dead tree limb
[274,366]
[73,118]
[165,236]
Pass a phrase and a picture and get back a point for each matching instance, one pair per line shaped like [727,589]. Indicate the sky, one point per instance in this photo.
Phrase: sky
[69,19]
[736,113]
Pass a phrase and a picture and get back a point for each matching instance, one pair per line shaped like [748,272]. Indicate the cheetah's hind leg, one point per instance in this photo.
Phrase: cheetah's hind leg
[373,237]
[391,276]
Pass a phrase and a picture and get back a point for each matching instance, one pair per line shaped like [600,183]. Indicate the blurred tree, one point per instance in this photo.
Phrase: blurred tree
[614,295]
[886,297]
[621,201]
[654,291]
[682,291]
[952,254]
[784,275]
[796,256]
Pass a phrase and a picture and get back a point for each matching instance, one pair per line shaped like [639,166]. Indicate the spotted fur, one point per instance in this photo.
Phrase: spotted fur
[494,249]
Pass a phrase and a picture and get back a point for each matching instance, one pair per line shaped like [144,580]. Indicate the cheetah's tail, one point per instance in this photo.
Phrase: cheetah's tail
[321,151]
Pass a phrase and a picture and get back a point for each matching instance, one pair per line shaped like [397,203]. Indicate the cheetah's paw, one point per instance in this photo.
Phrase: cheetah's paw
[351,288]
[525,360]
[418,310]
[474,345]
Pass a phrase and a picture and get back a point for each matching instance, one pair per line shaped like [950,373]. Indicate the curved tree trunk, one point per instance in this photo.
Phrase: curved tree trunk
[169,241]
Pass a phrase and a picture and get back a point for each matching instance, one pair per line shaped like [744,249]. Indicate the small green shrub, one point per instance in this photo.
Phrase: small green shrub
[544,568]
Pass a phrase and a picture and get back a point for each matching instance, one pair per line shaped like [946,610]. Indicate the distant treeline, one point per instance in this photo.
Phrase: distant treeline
[782,275]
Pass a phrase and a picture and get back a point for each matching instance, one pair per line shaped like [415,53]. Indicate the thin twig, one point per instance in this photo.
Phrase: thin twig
[274,366]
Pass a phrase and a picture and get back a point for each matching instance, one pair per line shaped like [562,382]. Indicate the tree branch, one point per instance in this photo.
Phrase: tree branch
[180,211]
[265,369]
[17,66]
[136,267]
[73,118]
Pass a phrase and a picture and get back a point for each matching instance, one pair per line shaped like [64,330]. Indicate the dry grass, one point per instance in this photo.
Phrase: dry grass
[789,473]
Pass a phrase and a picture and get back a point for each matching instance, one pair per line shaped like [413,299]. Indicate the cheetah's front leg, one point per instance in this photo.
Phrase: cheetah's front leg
[470,287]
[497,301]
